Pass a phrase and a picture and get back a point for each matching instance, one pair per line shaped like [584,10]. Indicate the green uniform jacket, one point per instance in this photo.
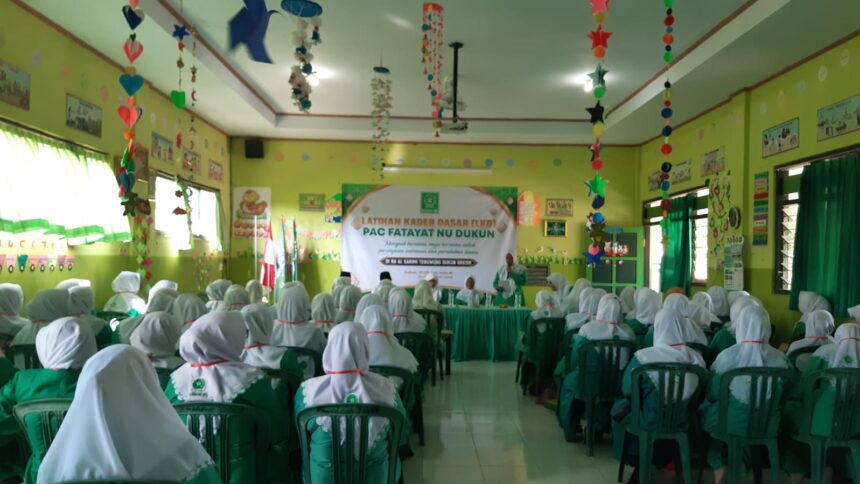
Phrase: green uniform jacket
[798,332]
[641,330]
[722,339]
[377,456]
[31,385]
[520,279]
[243,460]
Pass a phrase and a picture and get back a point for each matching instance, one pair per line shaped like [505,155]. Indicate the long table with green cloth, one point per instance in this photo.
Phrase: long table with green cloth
[485,333]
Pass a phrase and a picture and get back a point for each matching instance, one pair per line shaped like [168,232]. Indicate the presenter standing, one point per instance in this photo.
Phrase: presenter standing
[509,282]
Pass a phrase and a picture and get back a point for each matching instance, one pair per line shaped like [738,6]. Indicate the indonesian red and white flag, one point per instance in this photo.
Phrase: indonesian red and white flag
[269,261]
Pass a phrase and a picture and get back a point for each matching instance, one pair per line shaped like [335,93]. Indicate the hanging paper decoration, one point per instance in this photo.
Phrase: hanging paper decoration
[666,114]
[305,37]
[140,242]
[178,96]
[249,27]
[380,98]
[129,112]
[185,209]
[432,50]
[192,129]
[595,221]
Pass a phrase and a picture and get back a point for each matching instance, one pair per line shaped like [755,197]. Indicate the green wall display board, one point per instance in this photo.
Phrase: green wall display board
[621,272]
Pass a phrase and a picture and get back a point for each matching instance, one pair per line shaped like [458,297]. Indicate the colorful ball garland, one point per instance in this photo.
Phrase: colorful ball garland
[666,113]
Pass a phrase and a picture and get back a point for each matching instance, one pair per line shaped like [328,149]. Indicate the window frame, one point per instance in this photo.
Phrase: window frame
[197,186]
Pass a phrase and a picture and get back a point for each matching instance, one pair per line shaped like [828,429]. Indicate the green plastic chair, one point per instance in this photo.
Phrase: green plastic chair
[309,360]
[422,347]
[846,383]
[111,315]
[600,376]
[675,418]
[24,357]
[797,354]
[408,390]
[51,413]
[212,424]
[768,386]
[544,338]
[124,481]
[349,465]
[436,320]
[566,347]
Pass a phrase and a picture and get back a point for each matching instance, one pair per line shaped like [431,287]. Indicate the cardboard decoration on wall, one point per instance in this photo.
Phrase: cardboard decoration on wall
[14,86]
[191,162]
[311,202]
[216,171]
[83,116]
[528,209]
[654,181]
[780,138]
[249,202]
[713,162]
[838,118]
[559,207]
[554,228]
[682,171]
[334,209]
[761,192]
[161,149]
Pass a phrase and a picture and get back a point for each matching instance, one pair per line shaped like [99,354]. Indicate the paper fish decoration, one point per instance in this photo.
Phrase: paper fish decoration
[249,27]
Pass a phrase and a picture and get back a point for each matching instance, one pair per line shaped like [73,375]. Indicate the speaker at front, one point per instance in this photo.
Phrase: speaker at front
[254,149]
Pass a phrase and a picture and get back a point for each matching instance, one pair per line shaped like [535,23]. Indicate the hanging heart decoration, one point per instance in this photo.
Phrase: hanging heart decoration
[130,115]
[132,48]
[178,99]
[133,16]
[131,83]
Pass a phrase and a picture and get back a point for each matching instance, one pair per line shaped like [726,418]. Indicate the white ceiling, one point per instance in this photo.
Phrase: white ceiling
[516,67]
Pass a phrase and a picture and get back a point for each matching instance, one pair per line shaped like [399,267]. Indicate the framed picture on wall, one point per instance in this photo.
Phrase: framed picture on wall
[838,119]
[312,202]
[161,148]
[554,228]
[559,207]
[83,116]
[780,138]
[14,86]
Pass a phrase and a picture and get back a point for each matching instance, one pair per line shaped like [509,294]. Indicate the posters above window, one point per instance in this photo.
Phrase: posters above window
[83,116]
[780,138]
[839,118]
[14,86]
[713,161]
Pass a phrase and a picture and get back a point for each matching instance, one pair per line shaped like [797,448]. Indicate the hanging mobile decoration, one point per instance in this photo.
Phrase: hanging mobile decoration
[595,221]
[305,37]
[129,112]
[666,113]
[432,49]
[178,96]
[192,129]
[380,98]
[183,193]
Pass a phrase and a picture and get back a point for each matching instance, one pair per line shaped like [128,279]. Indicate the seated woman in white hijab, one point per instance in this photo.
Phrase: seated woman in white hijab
[735,295]
[323,311]
[118,397]
[348,380]
[628,300]
[344,280]
[423,298]
[258,350]
[385,286]
[47,306]
[11,300]
[385,350]
[165,284]
[570,304]
[558,283]
[188,308]
[606,325]
[293,326]
[126,285]
[589,300]
[346,304]
[547,307]
[255,291]
[725,337]
[469,296]
[693,332]
[720,302]
[753,329]
[648,303]
[214,372]
[157,336]
[215,293]
[367,301]
[405,319]
[807,302]
[161,301]
[63,347]
[819,328]
[235,298]
[669,347]
[81,302]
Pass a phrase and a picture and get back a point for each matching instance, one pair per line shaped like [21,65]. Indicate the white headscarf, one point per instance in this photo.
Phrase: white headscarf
[48,305]
[405,319]
[385,286]
[751,351]
[571,302]
[700,315]
[845,352]
[130,429]
[469,297]
[257,351]
[720,300]
[126,286]
[547,306]
[809,301]
[70,283]
[11,299]
[854,313]
[607,323]
[346,362]
[628,300]
[737,308]
[385,350]
[678,302]
[81,302]
[188,308]
[648,304]
[670,347]
[819,327]
[589,302]
[165,284]
[423,298]
[214,371]
[157,336]
[735,295]
[367,301]
[236,298]
[255,291]
[693,332]
[341,281]
[215,292]
[65,344]
[559,283]
[346,304]
[323,311]
[292,326]
[160,301]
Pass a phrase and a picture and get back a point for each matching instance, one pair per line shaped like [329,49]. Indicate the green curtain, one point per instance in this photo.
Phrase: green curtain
[676,269]
[827,240]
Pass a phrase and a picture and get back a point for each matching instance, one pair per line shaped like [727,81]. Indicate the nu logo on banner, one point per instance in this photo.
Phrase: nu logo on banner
[429,202]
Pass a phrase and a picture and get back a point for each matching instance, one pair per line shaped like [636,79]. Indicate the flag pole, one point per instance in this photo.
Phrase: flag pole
[295,258]
[284,240]
[256,256]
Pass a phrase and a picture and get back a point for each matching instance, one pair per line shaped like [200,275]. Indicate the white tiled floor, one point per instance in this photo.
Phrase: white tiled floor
[480,429]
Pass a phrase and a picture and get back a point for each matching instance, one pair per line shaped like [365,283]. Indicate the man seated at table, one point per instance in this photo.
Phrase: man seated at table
[509,282]
[469,296]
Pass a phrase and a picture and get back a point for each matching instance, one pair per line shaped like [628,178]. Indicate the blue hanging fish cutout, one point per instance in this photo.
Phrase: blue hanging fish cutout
[249,27]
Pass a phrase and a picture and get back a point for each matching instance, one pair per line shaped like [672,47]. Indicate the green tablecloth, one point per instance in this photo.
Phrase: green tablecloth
[485,333]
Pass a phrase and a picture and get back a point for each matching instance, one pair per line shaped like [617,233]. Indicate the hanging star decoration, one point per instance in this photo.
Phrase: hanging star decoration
[597,186]
[598,77]
[599,6]
[599,37]
[180,32]
[596,113]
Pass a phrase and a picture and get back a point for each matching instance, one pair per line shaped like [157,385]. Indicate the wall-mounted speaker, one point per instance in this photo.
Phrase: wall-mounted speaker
[254,149]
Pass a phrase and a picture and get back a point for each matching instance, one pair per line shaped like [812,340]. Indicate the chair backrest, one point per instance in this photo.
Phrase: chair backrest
[767,386]
[290,382]
[676,404]
[122,481]
[422,347]
[24,357]
[846,386]
[566,346]
[600,366]
[51,413]
[215,426]
[545,337]
[309,360]
[349,464]
[435,321]
[405,376]
[806,350]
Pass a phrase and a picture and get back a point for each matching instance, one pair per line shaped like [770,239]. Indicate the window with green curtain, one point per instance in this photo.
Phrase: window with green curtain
[827,239]
[676,269]
[57,189]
